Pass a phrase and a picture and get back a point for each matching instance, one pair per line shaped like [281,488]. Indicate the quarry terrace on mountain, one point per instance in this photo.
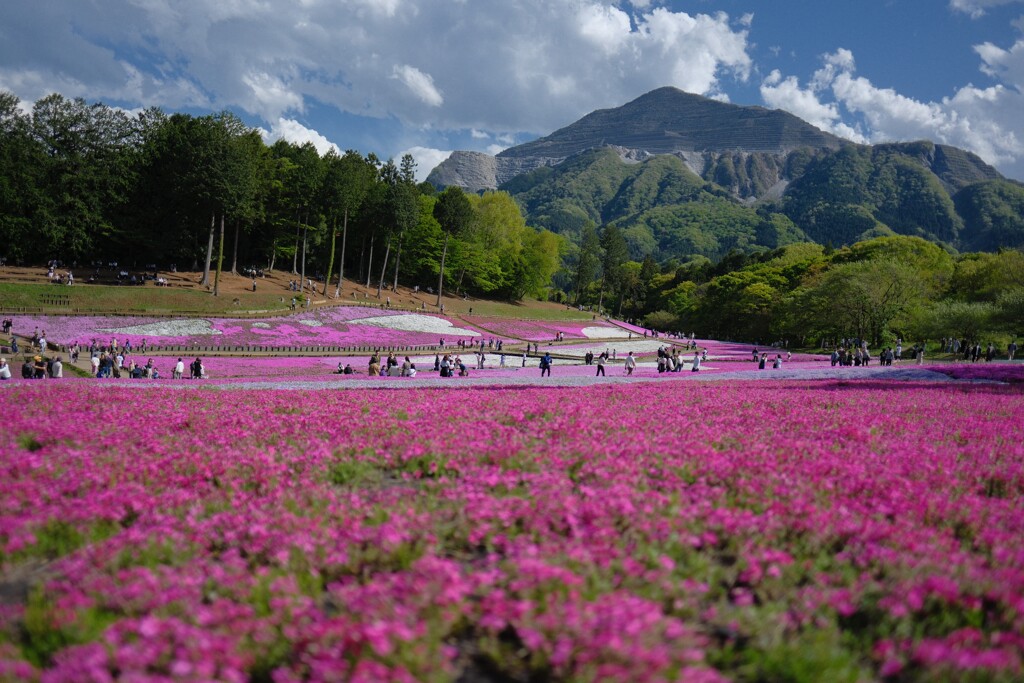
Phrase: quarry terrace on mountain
[700,131]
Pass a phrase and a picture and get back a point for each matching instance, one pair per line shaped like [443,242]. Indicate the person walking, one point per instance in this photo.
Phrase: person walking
[630,364]
[600,365]
[179,370]
[1011,350]
[545,365]
[696,362]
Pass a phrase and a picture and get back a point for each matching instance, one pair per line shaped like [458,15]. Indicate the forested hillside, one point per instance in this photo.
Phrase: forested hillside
[82,183]
[837,198]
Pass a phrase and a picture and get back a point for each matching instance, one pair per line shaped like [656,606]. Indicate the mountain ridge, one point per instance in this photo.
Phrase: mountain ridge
[711,137]
[792,181]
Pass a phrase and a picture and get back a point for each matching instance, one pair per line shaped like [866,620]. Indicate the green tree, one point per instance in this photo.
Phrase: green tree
[347,180]
[961,319]
[866,299]
[615,253]
[589,260]
[86,175]
[22,161]
[403,200]
[453,212]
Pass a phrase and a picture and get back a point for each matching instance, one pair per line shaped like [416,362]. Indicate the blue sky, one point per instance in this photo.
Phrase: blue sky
[431,76]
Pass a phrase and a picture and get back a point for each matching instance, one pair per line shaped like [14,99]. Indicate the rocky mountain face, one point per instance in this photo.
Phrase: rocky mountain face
[752,152]
[681,175]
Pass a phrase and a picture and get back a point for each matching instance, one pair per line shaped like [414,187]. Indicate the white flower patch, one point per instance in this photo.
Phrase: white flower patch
[311,323]
[169,328]
[414,322]
[262,326]
[620,348]
[606,333]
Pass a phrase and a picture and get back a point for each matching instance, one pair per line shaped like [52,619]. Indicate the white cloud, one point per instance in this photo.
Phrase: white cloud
[976,8]
[983,120]
[528,66]
[293,131]
[786,93]
[606,27]
[421,84]
[270,95]
[426,159]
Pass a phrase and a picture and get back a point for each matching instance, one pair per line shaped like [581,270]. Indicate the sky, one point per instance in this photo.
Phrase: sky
[431,76]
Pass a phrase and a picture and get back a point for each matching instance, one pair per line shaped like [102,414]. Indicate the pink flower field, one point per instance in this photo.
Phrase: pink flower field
[539,330]
[832,530]
[335,326]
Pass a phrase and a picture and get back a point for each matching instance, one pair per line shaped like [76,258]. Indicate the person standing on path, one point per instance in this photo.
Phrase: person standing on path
[600,366]
[1011,350]
[545,365]
[630,364]
[696,362]
[179,369]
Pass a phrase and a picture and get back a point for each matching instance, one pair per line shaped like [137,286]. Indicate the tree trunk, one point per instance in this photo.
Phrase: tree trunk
[273,256]
[330,261]
[398,259]
[369,266]
[220,258]
[234,251]
[362,258]
[209,252]
[440,278]
[295,254]
[341,261]
[458,287]
[384,268]
[302,280]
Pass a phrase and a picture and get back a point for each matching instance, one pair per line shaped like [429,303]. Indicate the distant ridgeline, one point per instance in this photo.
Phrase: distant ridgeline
[683,175]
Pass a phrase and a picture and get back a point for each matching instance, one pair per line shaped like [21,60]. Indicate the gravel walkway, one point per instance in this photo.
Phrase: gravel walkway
[531,378]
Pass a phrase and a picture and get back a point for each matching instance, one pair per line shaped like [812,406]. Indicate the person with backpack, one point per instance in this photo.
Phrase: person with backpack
[545,364]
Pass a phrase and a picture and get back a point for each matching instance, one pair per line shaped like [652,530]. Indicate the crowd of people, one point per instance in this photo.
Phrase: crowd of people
[671,360]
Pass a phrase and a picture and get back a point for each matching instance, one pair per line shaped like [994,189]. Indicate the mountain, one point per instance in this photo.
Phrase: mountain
[683,175]
[664,121]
